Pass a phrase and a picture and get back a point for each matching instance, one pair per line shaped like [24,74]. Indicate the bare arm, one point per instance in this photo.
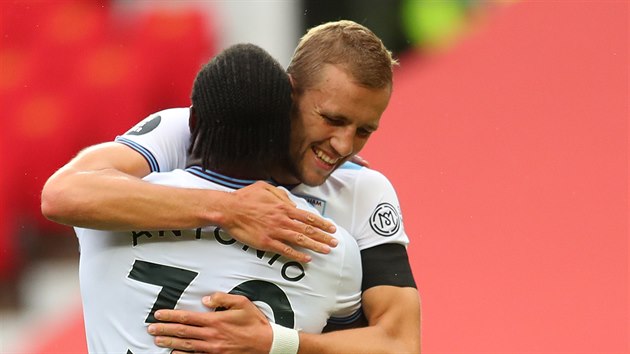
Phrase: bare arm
[393,314]
[101,188]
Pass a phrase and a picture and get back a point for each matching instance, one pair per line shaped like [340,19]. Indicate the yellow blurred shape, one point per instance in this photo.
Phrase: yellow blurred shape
[433,24]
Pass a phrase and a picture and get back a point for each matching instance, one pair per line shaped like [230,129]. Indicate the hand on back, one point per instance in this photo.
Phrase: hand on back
[262,216]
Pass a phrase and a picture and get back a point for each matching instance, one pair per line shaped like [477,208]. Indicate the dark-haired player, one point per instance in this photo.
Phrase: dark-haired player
[239,122]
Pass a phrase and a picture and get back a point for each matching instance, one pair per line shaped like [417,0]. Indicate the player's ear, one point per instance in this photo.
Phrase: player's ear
[192,119]
[292,81]
[294,87]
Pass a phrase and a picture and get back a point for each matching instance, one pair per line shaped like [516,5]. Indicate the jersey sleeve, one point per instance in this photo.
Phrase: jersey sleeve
[347,307]
[386,264]
[348,304]
[378,219]
[162,139]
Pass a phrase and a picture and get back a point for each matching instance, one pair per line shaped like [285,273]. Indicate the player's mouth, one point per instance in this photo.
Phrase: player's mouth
[325,158]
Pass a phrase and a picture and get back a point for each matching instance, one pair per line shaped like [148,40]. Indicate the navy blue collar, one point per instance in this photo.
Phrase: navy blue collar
[226,181]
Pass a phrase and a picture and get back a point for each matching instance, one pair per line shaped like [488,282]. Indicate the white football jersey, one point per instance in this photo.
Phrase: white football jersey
[359,199]
[362,201]
[126,276]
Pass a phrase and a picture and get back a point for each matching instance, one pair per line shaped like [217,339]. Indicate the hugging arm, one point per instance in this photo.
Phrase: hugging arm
[101,188]
[392,312]
[393,315]
[391,305]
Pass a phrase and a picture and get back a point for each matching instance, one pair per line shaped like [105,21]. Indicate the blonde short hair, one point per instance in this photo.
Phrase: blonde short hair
[346,43]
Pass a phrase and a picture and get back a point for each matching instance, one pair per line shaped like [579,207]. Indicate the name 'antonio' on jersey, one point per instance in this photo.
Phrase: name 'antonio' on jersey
[361,200]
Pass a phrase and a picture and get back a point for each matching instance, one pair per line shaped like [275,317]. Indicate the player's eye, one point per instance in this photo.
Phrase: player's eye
[331,120]
[364,133]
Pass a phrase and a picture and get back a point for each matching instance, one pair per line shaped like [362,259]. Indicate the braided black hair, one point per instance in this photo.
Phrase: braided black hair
[242,102]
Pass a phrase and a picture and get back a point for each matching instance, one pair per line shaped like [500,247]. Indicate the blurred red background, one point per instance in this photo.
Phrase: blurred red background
[73,74]
[510,156]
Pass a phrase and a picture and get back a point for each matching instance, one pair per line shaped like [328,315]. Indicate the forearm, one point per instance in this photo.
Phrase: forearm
[373,339]
[394,326]
[359,340]
[111,200]
[393,314]
[101,188]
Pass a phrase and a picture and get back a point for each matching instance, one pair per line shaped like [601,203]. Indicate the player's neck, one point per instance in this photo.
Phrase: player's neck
[238,172]
[245,175]
[283,175]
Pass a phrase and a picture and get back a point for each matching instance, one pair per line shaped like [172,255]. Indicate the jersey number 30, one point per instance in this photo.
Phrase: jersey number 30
[175,280]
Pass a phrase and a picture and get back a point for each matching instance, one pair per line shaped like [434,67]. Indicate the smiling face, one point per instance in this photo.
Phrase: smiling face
[332,122]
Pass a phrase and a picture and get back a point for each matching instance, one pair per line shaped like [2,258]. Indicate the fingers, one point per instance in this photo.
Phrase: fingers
[184,345]
[316,233]
[268,220]
[305,235]
[312,239]
[282,195]
[360,161]
[177,330]
[303,216]
[314,226]
[183,317]
[298,239]
[314,221]
[285,250]
[224,300]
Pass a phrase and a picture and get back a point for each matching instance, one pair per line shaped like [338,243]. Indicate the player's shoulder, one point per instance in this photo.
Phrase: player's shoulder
[173,113]
[175,178]
[357,175]
[171,116]
[350,168]
[302,203]
[171,119]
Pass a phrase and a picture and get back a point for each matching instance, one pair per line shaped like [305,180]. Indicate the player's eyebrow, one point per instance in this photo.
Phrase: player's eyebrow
[343,118]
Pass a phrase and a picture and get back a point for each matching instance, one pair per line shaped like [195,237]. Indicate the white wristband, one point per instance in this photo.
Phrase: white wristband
[285,340]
